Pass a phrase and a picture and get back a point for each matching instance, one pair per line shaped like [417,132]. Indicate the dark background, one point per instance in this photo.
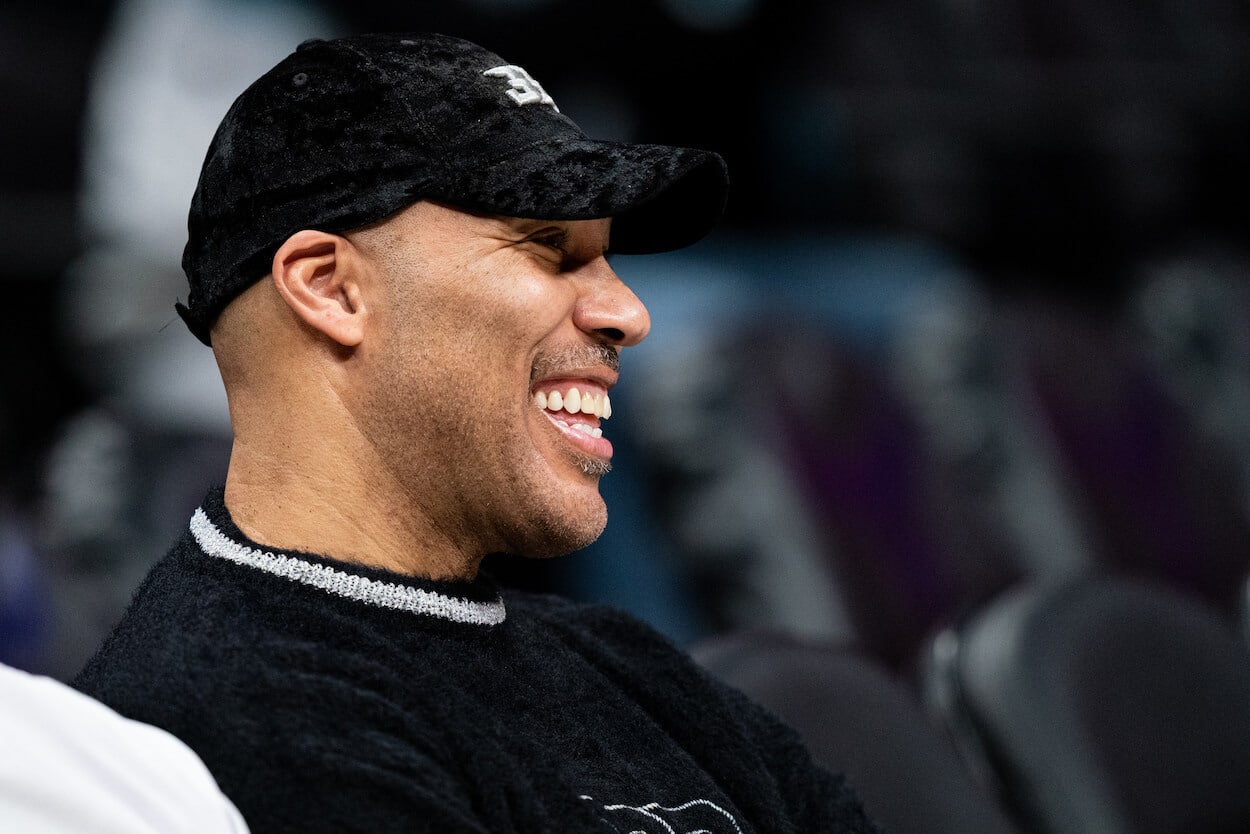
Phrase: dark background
[1048,149]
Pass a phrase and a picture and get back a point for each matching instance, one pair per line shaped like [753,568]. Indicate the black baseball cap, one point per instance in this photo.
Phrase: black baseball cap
[343,133]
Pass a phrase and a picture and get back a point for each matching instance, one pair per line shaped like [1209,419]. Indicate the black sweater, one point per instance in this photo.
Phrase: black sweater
[328,697]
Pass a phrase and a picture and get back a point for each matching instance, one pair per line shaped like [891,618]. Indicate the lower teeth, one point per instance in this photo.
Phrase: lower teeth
[595,432]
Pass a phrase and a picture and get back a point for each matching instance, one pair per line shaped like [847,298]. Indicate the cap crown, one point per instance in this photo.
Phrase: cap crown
[344,133]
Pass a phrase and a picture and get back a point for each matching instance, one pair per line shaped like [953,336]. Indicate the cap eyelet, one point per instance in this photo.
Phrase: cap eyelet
[299,79]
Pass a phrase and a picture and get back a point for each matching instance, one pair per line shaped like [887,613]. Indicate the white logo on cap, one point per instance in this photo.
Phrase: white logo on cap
[522,88]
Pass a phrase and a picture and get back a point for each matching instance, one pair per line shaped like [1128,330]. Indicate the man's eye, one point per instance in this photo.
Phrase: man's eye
[556,242]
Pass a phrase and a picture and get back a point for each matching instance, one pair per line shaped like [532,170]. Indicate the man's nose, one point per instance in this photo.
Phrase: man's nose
[609,308]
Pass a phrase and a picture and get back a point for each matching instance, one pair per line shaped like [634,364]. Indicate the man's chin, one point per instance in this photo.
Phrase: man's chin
[568,532]
[568,545]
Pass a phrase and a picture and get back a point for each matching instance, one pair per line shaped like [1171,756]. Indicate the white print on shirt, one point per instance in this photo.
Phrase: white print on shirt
[698,816]
[522,88]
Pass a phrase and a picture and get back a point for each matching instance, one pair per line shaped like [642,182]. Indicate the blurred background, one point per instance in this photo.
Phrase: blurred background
[977,312]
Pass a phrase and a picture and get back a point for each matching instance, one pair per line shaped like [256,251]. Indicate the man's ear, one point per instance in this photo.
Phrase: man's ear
[318,275]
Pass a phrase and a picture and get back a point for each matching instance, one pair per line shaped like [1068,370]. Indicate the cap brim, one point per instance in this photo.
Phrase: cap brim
[661,198]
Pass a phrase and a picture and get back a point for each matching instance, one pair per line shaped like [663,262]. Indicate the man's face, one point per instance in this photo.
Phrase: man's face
[487,371]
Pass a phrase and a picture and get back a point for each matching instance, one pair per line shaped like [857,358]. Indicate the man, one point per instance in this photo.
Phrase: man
[397,254]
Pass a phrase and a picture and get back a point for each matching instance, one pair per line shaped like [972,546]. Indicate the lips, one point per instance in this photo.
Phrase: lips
[575,408]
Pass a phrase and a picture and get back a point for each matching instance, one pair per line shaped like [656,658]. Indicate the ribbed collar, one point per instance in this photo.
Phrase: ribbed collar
[470,603]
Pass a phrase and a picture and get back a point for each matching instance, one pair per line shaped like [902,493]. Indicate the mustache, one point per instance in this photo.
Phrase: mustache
[579,356]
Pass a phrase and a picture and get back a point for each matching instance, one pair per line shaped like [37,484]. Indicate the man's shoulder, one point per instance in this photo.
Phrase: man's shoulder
[180,598]
[193,631]
[605,625]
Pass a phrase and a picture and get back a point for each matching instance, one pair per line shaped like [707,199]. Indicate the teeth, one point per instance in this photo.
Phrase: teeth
[584,429]
[575,402]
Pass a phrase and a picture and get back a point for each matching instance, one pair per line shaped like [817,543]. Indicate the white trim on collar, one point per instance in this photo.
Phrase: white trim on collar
[384,594]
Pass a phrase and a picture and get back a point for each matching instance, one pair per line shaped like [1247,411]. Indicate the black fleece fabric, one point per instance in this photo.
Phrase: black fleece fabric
[320,709]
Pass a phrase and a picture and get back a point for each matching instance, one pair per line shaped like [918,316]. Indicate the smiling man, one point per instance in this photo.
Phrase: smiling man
[397,253]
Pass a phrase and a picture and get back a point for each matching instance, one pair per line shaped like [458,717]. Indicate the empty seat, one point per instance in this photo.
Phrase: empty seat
[1102,704]
[859,719]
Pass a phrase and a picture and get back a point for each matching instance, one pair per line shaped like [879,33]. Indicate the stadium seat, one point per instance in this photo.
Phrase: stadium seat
[1102,704]
[859,719]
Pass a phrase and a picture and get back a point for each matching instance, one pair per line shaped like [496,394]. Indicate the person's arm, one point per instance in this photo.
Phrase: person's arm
[70,764]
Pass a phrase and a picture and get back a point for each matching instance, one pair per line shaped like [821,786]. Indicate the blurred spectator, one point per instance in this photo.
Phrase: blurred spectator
[126,471]
[45,54]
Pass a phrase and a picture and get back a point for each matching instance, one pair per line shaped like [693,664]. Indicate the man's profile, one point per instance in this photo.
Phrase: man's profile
[397,251]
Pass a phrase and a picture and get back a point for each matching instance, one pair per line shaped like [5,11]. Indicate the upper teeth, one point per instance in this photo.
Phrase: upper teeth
[575,402]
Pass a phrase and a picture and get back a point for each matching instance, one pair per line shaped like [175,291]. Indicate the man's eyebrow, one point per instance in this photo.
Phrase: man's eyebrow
[528,225]
[514,227]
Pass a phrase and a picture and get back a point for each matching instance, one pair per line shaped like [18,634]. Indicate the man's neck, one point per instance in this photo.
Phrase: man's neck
[338,512]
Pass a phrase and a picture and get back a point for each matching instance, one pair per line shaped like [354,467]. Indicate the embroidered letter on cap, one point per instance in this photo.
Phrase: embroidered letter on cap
[523,88]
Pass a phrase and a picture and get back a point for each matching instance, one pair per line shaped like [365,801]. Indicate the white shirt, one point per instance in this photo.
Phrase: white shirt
[70,765]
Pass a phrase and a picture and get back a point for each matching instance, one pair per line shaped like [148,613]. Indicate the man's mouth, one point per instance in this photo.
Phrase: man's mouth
[570,387]
[576,408]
